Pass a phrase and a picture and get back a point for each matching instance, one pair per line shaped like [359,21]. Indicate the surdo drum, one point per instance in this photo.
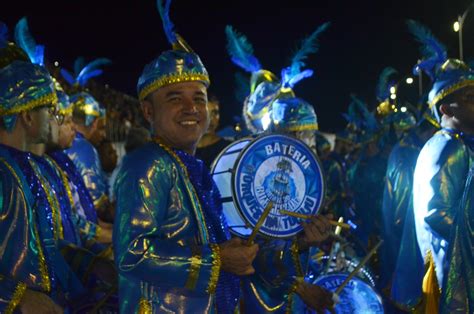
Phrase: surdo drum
[275,168]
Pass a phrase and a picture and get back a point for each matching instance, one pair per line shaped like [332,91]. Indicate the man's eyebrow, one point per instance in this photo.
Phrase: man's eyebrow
[173,93]
[199,93]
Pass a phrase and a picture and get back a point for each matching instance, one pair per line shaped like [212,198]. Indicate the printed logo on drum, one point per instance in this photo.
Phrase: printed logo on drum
[284,171]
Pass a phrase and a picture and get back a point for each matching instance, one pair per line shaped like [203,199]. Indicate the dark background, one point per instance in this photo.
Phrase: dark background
[365,37]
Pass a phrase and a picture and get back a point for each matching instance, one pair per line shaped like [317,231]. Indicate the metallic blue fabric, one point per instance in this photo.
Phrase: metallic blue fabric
[86,159]
[293,114]
[67,165]
[172,66]
[85,103]
[458,292]
[162,248]
[401,260]
[439,180]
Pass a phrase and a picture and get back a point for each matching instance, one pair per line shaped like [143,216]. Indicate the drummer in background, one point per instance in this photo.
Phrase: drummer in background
[280,266]
[171,243]
[211,144]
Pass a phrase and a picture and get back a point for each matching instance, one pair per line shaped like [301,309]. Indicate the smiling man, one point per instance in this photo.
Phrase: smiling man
[171,243]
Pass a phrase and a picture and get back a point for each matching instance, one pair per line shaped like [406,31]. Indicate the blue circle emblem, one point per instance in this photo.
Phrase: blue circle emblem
[357,297]
[282,170]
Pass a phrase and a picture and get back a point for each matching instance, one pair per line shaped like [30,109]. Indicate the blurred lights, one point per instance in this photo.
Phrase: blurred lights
[403,109]
[56,63]
[393,90]
[456,26]
[393,96]
[409,80]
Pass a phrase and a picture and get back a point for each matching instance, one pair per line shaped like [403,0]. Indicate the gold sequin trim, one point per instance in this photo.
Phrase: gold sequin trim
[16,298]
[215,269]
[449,90]
[194,268]
[43,100]
[144,307]
[262,303]
[172,79]
[67,111]
[295,256]
[53,203]
[45,281]
[307,127]
[64,179]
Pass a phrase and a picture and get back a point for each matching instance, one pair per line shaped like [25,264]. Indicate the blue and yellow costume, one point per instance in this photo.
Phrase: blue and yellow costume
[169,218]
[440,176]
[84,155]
[273,106]
[31,214]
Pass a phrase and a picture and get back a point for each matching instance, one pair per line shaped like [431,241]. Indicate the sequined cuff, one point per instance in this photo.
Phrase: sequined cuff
[16,298]
[194,268]
[215,270]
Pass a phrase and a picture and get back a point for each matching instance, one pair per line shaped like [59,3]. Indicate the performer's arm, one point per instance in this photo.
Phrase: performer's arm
[144,251]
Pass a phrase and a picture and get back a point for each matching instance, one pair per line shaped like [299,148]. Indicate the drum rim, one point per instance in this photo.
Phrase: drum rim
[212,168]
[238,160]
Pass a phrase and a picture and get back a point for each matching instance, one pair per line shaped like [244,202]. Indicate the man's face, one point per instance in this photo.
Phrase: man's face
[178,114]
[39,129]
[66,133]
[98,132]
[214,116]
[463,110]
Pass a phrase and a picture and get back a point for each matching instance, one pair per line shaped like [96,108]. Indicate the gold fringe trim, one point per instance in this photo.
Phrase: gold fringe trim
[194,268]
[16,298]
[43,269]
[262,303]
[431,289]
[215,269]
[144,307]
[449,90]
[172,79]
[67,111]
[50,98]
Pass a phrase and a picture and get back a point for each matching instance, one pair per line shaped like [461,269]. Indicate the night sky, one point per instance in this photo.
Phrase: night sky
[365,37]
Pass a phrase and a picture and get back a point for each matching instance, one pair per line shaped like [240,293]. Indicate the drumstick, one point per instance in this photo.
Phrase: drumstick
[334,246]
[304,216]
[259,223]
[358,267]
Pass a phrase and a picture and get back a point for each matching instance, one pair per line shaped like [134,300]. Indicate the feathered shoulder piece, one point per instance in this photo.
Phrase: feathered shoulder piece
[241,51]
[25,41]
[84,71]
[432,50]
[384,83]
[294,73]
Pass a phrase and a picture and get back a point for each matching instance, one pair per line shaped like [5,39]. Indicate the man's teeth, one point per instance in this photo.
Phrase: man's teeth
[188,122]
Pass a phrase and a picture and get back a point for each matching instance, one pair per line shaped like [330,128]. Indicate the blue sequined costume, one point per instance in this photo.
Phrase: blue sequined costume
[168,221]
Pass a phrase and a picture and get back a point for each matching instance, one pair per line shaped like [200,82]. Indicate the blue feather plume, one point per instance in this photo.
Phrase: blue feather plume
[25,41]
[432,50]
[241,51]
[79,64]
[308,46]
[168,26]
[384,83]
[68,76]
[3,35]
[367,119]
[242,87]
[90,70]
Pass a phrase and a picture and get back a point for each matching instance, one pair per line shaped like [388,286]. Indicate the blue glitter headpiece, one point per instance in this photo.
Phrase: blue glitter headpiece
[24,86]
[293,114]
[265,87]
[173,66]
[85,103]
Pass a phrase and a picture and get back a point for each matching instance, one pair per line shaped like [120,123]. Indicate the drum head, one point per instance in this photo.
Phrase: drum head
[221,172]
[283,170]
[357,297]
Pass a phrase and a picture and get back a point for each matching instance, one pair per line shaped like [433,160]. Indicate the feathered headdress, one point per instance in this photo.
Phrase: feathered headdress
[359,115]
[293,74]
[25,41]
[432,50]
[83,72]
[241,51]
[384,84]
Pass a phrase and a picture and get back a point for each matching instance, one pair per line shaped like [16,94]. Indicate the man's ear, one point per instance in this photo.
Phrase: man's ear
[26,118]
[147,109]
[446,109]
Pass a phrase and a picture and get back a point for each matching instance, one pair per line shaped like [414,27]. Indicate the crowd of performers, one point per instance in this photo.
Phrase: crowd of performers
[150,236]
